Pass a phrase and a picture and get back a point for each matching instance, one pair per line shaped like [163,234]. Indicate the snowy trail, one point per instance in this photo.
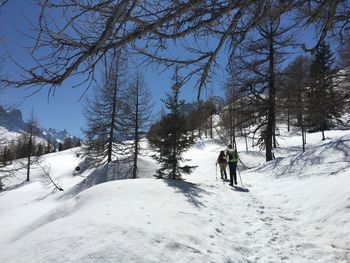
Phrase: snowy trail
[201,219]
[244,223]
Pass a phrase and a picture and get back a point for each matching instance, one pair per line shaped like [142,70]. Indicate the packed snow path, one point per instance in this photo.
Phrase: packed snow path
[200,219]
[244,222]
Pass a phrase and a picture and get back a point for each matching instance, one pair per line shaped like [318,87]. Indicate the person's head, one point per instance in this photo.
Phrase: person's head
[222,153]
[230,146]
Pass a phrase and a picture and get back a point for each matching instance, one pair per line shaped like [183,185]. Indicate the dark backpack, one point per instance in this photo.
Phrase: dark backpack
[231,155]
[222,159]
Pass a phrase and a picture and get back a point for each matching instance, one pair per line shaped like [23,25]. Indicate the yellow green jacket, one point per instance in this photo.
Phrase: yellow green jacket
[234,155]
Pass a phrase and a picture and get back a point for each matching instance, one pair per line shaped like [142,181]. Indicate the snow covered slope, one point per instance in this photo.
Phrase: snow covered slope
[311,193]
[293,209]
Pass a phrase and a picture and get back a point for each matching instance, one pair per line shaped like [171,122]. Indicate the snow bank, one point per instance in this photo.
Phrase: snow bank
[311,191]
[145,220]
[293,209]
[322,160]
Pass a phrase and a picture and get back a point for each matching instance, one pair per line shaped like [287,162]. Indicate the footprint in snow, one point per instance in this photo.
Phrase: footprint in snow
[218,230]
[287,218]
[272,240]
[266,219]
[249,233]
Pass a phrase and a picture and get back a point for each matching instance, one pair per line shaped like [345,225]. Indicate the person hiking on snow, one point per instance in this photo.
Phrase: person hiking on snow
[222,164]
[232,158]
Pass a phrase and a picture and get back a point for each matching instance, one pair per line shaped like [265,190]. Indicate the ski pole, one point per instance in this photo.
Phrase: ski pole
[216,171]
[244,166]
[240,178]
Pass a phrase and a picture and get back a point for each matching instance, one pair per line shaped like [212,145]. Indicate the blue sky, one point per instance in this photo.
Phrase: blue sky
[64,110]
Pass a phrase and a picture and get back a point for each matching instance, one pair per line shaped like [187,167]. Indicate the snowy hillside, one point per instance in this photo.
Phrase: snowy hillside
[293,209]
[6,137]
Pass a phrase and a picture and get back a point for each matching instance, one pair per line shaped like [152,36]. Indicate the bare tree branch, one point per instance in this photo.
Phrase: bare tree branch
[73,36]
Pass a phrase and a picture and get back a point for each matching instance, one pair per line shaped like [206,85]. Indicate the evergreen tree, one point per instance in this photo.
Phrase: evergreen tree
[292,93]
[210,110]
[39,150]
[172,138]
[78,143]
[50,145]
[323,102]
[68,143]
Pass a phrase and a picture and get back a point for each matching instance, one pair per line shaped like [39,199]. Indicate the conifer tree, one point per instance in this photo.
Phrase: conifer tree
[135,118]
[68,143]
[172,138]
[256,64]
[323,102]
[30,130]
[102,113]
[292,93]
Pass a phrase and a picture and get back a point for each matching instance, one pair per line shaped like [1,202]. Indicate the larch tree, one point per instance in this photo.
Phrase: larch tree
[135,117]
[91,29]
[257,64]
[343,75]
[28,137]
[103,135]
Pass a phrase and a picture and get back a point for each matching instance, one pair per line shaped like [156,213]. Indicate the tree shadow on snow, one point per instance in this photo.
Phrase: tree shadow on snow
[85,164]
[112,171]
[15,186]
[319,154]
[240,189]
[191,191]
[299,163]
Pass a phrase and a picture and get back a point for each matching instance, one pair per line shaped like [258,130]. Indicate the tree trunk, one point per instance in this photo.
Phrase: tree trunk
[114,108]
[30,146]
[274,136]
[136,131]
[271,103]
[211,126]
[232,123]
[322,129]
[303,136]
[288,118]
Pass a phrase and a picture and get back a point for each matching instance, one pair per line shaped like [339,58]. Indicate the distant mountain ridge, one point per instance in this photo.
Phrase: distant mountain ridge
[57,135]
[12,120]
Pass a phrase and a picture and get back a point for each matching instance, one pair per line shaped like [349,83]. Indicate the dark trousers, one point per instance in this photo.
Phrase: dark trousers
[233,175]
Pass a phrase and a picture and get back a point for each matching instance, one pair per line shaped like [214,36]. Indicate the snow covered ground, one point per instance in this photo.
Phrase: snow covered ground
[293,209]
